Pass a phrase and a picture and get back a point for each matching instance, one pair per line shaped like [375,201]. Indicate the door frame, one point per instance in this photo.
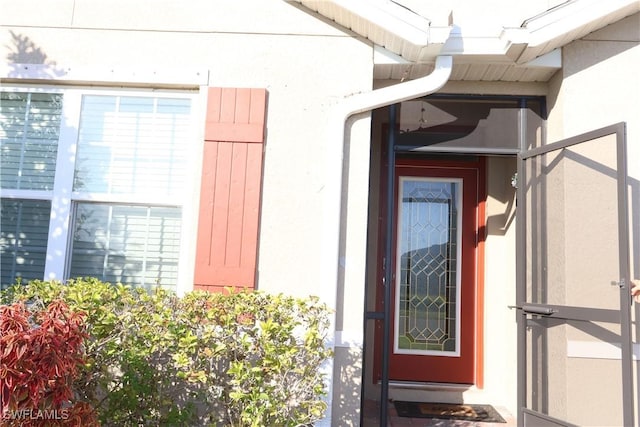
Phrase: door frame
[466,165]
[525,308]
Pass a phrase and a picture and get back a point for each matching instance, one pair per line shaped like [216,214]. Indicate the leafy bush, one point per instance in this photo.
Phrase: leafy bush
[239,359]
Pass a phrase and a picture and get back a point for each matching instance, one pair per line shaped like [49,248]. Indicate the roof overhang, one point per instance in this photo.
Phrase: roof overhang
[406,43]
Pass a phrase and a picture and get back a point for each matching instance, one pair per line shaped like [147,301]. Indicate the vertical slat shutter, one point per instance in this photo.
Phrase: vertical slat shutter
[227,243]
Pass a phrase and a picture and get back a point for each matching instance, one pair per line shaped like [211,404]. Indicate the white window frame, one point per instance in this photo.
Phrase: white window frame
[62,198]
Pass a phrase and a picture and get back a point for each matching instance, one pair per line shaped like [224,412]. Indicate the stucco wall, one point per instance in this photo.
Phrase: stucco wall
[599,86]
[307,67]
[499,286]
[240,47]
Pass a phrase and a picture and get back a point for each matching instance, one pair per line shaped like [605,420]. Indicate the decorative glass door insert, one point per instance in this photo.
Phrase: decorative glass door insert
[437,239]
[427,309]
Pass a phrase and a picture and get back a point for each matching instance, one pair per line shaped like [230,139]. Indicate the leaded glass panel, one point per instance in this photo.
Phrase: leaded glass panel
[427,294]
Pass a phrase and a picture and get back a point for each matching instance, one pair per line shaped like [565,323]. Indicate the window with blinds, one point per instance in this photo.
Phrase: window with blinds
[130,145]
[29,130]
[24,229]
[116,210]
[137,245]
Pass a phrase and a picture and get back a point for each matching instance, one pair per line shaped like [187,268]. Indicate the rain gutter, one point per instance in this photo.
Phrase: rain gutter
[360,103]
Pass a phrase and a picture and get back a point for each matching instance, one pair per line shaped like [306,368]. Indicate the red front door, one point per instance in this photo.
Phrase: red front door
[438,220]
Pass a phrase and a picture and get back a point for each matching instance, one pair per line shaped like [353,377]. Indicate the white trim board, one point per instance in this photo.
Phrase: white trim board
[131,76]
[598,350]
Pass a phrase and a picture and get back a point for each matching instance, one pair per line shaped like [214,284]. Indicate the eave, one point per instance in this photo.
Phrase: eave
[406,43]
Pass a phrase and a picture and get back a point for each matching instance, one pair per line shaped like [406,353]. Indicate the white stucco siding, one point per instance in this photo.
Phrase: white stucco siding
[500,285]
[306,65]
[291,238]
[600,87]
[599,81]
[236,17]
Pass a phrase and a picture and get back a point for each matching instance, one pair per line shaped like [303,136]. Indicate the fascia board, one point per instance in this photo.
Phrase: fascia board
[571,16]
[390,17]
[551,59]
[457,44]
[516,45]
[382,56]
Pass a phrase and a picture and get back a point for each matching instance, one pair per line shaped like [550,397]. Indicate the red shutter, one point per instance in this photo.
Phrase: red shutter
[227,245]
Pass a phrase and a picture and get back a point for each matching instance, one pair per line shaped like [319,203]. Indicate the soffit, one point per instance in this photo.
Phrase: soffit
[467,72]
[386,24]
[407,43]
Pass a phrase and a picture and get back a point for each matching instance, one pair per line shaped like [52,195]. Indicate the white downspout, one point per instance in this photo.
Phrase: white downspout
[333,186]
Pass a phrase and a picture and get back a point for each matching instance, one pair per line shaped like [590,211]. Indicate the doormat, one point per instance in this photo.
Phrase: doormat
[448,411]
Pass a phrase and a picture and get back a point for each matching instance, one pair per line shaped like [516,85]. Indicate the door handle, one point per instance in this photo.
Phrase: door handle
[535,309]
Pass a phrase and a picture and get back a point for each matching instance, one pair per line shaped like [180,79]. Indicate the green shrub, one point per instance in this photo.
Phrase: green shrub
[239,359]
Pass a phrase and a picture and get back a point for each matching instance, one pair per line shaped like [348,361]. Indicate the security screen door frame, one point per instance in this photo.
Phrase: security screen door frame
[529,109]
[545,317]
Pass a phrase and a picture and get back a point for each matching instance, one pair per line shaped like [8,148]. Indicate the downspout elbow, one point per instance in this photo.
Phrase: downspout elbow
[394,94]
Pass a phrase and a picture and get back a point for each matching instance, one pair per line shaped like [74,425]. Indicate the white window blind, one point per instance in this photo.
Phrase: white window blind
[29,130]
[132,145]
[137,245]
[112,208]
[24,228]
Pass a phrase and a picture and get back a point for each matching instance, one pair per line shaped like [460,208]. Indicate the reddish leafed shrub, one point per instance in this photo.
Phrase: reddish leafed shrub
[40,353]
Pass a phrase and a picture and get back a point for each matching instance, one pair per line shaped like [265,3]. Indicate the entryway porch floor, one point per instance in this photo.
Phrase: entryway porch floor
[372,411]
